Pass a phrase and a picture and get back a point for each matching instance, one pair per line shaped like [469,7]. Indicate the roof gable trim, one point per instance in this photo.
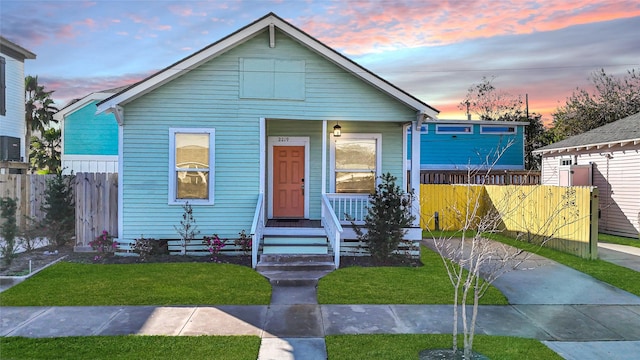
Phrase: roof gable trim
[158,79]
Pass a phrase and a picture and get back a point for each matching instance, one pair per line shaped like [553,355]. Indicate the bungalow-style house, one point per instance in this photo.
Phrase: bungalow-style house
[89,140]
[607,157]
[471,144]
[14,151]
[263,129]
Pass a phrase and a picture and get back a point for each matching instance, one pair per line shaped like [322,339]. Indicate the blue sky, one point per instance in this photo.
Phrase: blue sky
[435,50]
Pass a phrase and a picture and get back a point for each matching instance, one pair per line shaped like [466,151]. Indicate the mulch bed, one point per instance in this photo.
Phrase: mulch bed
[42,257]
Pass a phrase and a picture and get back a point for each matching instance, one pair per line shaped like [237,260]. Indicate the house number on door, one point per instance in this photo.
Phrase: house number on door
[283,139]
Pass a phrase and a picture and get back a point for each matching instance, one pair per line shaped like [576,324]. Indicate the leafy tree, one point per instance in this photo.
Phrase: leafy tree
[39,107]
[613,98]
[45,151]
[489,103]
[536,136]
[389,213]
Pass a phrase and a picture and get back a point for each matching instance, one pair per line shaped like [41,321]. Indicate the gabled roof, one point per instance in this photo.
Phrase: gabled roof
[622,132]
[78,104]
[179,68]
[14,50]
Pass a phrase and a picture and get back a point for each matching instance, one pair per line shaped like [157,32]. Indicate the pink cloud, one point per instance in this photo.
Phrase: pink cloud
[67,89]
[185,11]
[364,27]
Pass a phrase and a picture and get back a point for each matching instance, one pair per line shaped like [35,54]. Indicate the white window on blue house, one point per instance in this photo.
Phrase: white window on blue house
[498,129]
[191,164]
[355,163]
[454,129]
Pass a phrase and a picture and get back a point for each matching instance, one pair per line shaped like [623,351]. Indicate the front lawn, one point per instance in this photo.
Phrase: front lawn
[132,347]
[74,284]
[619,240]
[428,284]
[401,347]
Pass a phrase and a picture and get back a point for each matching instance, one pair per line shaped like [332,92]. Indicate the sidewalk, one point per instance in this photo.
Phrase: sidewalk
[572,313]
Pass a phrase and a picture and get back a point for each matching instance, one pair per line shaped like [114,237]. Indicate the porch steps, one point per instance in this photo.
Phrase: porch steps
[310,245]
[294,270]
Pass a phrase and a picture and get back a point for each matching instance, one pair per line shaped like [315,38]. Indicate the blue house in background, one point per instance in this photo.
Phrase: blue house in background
[89,140]
[461,145]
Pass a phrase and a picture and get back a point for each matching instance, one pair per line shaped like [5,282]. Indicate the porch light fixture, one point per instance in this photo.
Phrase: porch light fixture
[337,130]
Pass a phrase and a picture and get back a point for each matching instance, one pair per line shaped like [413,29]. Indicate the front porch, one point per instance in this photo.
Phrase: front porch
[314,183]
[333,235]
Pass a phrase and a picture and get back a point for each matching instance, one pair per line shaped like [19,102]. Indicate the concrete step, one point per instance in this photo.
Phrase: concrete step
[295,245]
[294,270]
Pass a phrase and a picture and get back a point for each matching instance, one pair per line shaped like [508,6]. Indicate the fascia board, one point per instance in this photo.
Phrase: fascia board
[71,108]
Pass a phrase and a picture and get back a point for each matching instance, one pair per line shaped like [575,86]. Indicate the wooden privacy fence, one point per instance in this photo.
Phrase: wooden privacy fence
[28,191]
[96,196]
[494,177]
[566,218]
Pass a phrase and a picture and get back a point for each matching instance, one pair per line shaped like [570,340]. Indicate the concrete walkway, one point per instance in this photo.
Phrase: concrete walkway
[572,313]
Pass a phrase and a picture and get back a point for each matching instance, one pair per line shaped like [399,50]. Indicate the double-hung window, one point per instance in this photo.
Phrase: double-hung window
[356,162]
[191,165]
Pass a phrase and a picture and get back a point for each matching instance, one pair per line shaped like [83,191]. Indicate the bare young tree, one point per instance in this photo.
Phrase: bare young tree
[473,261]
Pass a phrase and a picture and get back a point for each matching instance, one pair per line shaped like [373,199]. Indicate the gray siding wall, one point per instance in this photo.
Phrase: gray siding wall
[616,173]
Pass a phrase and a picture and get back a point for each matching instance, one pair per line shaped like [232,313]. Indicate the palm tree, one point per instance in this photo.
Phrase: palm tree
[39,107]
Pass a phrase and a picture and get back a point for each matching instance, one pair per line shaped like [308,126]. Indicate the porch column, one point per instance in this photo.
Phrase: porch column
[323,178]
[415,168]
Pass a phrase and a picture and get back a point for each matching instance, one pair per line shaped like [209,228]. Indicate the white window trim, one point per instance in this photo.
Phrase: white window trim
[438,131]
[424,129]
[332,159]
[172,165]
[482,127]
[562,159]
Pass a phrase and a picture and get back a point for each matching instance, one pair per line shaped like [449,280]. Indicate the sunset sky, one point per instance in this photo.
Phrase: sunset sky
[435,50]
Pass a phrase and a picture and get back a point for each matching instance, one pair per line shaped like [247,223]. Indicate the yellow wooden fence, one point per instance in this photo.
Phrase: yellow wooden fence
[565,218]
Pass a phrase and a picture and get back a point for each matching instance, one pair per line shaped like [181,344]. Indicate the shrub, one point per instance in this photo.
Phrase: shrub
[388,214]
[9,229]
[187,229]
[103,244]
[145,247]
[59,209]
[215,245]
[244,242]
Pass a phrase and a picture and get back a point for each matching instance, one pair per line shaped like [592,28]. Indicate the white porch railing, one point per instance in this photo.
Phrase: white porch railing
[349,207]
[332,227]
[257,229]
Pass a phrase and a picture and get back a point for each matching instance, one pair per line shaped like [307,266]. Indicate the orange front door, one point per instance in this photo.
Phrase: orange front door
[288,181]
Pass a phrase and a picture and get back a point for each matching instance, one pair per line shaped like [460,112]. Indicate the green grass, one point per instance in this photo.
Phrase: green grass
[619,240]
[132,347]
[618,276]
[401,347]
[428,284]
[73,284]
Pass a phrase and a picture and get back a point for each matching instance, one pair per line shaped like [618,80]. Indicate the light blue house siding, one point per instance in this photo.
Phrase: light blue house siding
[217,95]
[86,133]
[458,151]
